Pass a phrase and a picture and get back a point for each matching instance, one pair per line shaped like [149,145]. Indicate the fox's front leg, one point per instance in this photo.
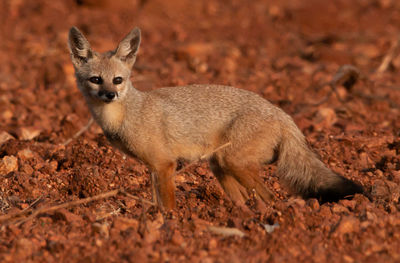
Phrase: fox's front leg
[162,179]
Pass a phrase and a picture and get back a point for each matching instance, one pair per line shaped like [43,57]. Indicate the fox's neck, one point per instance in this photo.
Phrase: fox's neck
[110,116]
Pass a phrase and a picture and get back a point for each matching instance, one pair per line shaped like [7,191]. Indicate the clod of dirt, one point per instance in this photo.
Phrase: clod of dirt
[123,224]
[348,224]
[177,239]
[380,190]
[67,216]
[313,203]
[28,133]
[325,118]
[5,136]
[25,154]
[25,248]
[102,229]
[8,164]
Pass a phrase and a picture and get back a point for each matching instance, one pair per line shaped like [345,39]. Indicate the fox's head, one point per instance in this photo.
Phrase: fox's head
[103,76]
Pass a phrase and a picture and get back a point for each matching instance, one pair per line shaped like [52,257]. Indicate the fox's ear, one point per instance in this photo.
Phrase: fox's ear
[129,46]
[79,47]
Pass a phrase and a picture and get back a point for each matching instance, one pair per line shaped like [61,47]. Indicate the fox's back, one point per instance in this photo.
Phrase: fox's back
[206,107]
[206,104]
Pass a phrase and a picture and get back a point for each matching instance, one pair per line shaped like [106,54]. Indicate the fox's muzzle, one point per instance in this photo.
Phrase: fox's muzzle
[107,96]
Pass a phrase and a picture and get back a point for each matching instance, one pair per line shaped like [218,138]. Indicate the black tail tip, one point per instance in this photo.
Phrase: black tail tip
[343,188]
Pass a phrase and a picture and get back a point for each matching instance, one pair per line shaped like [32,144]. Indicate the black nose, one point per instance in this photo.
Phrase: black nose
[110,95]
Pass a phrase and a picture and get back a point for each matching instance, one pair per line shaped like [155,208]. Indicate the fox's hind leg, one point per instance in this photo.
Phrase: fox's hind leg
[235,191]
[252,146]
[248,176]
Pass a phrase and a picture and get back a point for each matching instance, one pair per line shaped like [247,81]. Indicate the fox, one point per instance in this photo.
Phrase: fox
[165,125]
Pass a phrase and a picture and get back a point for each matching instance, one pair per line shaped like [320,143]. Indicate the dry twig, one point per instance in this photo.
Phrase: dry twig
[65,205]
[154,190]
[20,213]
[226,231]
[137,198]
[392,54]
[69,204]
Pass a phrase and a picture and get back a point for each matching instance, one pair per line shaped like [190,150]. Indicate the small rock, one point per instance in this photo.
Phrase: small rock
[212,244]
[342,91]
[380,190]
[52,166]
[276,186]
[5,136]
[25,154]
[396,176]
[25,248]
[270,228]
[313,203]
[201,171]
[371,216]
[206,260]
[102,229]
[297,202]
[350,204]
[8,164]
[230,65]
[67,216]
[123,224]
[275,11]
[325,118]
[394,191]
[130,203]
[153,229]
[177,239]
[325,211]
[7,115]
[337,208]
[348,224]
[28,133]
[24,206]
[394,220]
[348,259]
[370,246]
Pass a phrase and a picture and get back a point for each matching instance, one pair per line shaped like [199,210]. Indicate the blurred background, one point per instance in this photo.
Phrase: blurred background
[280,49]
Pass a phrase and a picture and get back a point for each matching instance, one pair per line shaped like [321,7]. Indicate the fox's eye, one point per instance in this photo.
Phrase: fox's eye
[96,80]
[117,80]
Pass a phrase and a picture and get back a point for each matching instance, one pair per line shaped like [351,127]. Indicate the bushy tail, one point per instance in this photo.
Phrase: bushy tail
[302,171]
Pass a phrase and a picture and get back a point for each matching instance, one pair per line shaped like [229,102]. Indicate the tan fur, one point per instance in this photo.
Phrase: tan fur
[161,126]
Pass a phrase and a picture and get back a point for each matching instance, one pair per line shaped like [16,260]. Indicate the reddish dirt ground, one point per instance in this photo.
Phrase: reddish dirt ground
[286,50]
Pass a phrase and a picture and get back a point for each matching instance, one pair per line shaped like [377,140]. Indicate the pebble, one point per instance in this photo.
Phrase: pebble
[5,136]
[348,224]
[8,164]
[313,203]
[28,133]
[25,154]
[177,239]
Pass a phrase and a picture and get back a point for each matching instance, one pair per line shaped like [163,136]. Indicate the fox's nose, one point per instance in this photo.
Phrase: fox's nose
[110,95]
